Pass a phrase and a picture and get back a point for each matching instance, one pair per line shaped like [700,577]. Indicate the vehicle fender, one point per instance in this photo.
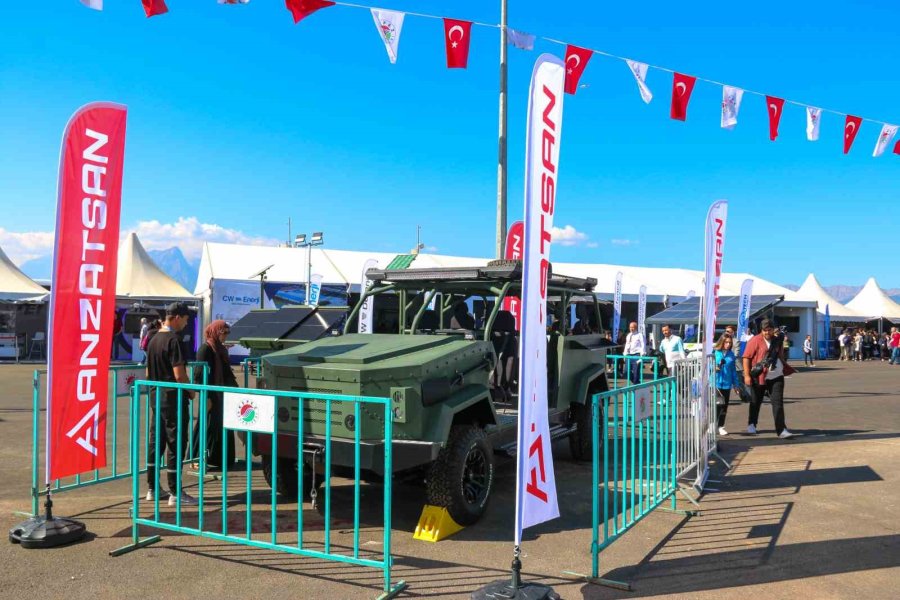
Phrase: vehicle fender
[470,401]
[586,378]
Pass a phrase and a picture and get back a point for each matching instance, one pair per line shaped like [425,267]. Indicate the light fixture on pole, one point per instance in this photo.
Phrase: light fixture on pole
[302,241]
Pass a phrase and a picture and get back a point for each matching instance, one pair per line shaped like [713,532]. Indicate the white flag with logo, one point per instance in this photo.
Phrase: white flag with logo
[520,39]
[642,312]
[884,139]
[95,4]
[639,70]
[715,247]
[813,116]
[536,500]
[743,316]
[315,289]
[366,312]
[731,104]
[617,307]
[389,23]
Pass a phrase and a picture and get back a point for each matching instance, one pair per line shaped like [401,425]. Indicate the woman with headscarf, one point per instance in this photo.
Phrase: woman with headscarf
[215,355]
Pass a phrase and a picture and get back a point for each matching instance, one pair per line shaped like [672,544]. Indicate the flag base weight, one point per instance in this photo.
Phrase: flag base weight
[47,531]
[514,588]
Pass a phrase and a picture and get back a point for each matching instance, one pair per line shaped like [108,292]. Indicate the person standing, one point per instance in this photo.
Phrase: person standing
[807,351]
[895,346]
[634,346]
[858,345]
[787,347]
[726,378]
[671,347]
[214,353]
[842,342]
[765,348]
[166,364]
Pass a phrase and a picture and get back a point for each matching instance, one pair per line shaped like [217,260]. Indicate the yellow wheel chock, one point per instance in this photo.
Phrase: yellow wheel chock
[435,524]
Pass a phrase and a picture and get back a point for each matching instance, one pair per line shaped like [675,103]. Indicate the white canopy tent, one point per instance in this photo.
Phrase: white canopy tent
[812,290]
[872,302]
[139,278]
[16,286]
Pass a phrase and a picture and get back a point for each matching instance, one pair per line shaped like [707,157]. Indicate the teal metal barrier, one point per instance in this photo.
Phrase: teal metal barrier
[252,363]
[635,428]
[221,504]
[114,471]
[625,362]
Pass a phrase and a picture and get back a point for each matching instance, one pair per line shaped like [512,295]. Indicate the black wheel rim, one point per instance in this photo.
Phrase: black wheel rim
[475,477]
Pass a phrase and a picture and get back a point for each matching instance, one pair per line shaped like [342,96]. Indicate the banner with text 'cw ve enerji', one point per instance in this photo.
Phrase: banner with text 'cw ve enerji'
[535,481]
[83,295]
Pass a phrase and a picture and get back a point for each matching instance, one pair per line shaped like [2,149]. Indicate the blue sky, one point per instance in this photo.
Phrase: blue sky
[240,119]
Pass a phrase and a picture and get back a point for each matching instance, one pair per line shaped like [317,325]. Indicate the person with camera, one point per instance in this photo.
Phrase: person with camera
[726,378]
[764,372]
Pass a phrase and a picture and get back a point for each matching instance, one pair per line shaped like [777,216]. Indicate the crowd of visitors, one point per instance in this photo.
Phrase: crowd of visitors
[867,344]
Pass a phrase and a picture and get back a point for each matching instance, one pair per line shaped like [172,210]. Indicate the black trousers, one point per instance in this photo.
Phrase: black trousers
[215,434]
[775,387]
[807,358]
[168,439]
[722,398]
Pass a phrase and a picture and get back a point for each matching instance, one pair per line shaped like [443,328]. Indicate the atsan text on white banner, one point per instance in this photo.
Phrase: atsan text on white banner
[536,500]
[249,412]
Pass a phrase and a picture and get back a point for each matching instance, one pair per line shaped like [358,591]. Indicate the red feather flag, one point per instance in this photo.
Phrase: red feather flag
[300,9]
[576,60]
[682,86]
[775,106]
[851,128]
[456,38]
[154,7]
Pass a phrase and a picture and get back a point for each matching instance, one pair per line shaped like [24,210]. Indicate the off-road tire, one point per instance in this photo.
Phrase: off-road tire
[581,440]
[446,485]
[287,476]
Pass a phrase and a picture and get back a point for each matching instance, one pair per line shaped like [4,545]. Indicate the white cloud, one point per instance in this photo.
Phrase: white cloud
[189,234]
[568,236]
[186,233]
[624,242]
[592,245]
[25,246]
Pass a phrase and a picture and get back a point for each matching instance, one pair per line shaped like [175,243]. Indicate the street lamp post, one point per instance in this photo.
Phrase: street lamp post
[302,241]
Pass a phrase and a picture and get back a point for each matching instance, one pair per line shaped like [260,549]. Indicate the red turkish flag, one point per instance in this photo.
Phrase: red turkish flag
[682,87]
[851,128]
[576,60]
[897,147]
[300,9]
[155,7]
[774,106]
[456,38]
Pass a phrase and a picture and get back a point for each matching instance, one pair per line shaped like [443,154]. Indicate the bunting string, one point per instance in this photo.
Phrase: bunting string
[389,23]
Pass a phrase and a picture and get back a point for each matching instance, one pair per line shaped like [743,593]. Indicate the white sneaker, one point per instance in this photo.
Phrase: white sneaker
[751,429]
[723,431]
[785,434]
[186,500]
[162,495]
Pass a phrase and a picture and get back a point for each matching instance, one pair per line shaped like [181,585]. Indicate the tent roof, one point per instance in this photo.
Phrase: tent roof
[15,286]
[239,262]
[872,302]
[813,290]
[139,277]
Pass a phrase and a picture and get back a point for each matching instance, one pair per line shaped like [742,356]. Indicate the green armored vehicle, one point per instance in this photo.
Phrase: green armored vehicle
[451,378]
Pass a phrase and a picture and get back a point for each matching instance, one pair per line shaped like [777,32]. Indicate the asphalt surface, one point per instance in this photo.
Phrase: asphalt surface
[815,517]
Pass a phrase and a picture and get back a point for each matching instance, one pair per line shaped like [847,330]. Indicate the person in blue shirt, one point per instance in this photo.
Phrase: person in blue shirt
[726,378]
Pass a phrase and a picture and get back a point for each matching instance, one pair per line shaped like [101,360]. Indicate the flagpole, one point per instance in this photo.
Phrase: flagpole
[501,150]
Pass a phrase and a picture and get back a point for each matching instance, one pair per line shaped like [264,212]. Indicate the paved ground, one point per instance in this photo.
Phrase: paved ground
[810,518]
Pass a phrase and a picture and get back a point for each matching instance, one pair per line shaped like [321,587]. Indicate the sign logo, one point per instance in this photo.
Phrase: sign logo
[248,412]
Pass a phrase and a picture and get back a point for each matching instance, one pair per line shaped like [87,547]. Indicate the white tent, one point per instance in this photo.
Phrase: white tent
[139,277]
[813,290]
[16,286]
[872,302]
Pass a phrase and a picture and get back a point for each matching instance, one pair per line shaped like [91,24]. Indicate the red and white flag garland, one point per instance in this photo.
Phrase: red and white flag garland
[576,60]
[457,35]
[456,38]
[682,86]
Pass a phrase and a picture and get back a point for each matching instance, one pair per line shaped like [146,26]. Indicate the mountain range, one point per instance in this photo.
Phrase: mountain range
[846,293]
[171,261]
